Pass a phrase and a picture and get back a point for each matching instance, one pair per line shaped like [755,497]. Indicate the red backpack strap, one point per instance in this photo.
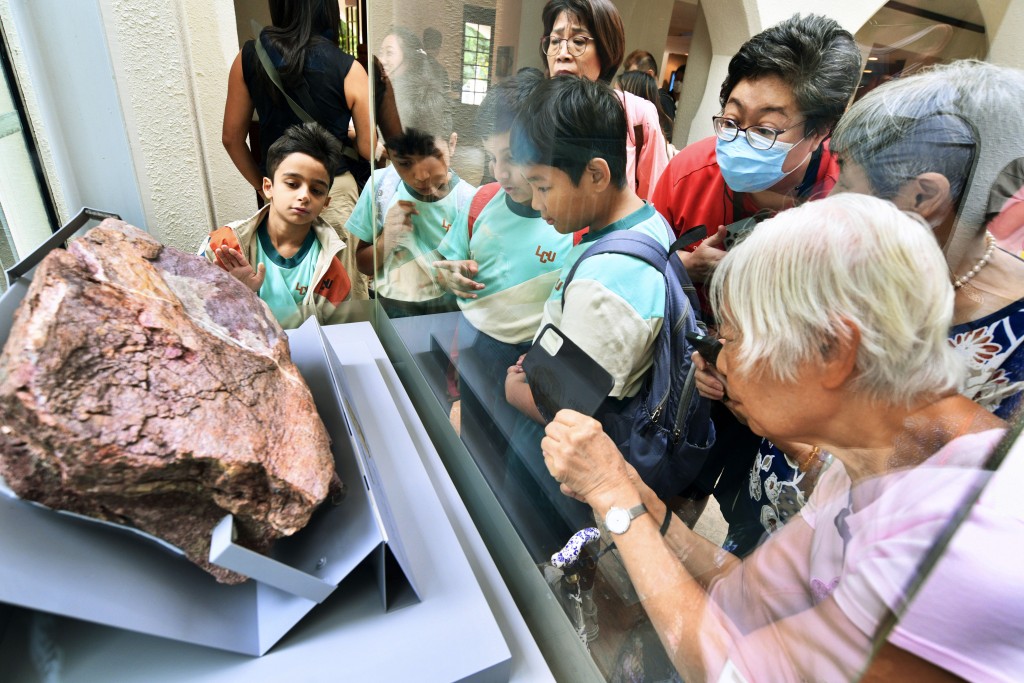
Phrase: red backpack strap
[484,195]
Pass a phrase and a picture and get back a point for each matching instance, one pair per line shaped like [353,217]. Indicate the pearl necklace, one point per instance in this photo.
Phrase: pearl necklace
[962,280]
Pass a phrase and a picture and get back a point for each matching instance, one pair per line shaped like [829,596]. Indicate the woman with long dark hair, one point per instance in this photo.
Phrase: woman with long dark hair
[330,85]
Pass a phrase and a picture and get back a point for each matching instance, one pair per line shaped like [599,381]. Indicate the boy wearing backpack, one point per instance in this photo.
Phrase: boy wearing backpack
[417,199]
[611,299]
[573,149]
[502,260]
[612,304]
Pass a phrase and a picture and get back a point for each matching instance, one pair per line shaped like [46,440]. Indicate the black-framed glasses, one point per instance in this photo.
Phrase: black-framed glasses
[576,45]
[758,137]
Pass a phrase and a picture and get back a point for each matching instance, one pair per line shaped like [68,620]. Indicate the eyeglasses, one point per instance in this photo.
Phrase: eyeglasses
[576,45]
[758,137]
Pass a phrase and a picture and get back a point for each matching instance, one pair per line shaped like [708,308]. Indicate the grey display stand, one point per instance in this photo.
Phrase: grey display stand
[69,566]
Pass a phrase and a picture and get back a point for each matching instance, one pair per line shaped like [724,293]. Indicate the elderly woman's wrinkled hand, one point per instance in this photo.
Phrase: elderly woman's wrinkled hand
[581,457]
[709,381]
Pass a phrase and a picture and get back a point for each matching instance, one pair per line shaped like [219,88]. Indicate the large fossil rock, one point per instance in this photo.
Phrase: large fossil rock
[146,386]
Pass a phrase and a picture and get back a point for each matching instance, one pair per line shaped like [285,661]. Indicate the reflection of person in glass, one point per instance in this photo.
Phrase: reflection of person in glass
[418,198]
[502,260]
[402,55]
[586,38]
[907,142]
[825,342]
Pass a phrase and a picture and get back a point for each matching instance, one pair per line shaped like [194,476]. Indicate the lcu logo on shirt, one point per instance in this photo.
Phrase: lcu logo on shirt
[545,256]
[301,289]
[446,225]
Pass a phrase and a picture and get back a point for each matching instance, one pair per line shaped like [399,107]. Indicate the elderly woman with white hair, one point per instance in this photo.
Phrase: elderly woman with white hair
[835,318]
[933,143]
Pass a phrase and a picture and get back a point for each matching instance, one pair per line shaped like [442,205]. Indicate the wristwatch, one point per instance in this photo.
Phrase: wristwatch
[617,520]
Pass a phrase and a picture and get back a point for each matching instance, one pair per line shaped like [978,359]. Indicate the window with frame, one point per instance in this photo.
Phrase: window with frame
[477,53]
[350,33]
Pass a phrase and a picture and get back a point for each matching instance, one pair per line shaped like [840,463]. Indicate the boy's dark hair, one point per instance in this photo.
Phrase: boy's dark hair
[310,139]
[425,119]
[503,102]
[605,24]
[566,122]
[813,55]
[641,60]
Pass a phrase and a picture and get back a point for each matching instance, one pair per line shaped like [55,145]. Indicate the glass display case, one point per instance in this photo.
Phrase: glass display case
[456,314]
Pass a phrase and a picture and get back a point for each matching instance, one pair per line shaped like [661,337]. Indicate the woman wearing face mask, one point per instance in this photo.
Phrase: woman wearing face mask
[785,90]
[585,38]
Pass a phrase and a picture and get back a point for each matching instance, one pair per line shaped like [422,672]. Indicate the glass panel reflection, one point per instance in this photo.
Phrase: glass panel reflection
[836,430]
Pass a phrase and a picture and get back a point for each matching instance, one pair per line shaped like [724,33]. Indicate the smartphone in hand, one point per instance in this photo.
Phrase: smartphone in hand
[708,347]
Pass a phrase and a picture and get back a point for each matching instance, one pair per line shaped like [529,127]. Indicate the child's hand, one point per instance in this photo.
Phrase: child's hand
[234,262]
[397,224]
[517,369]
[455,276]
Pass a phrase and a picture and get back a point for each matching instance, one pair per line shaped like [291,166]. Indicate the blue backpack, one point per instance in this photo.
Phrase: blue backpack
[665,431]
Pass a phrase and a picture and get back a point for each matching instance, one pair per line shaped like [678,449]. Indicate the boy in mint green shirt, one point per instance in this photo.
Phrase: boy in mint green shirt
[417,200]
[285,252]
[501,261]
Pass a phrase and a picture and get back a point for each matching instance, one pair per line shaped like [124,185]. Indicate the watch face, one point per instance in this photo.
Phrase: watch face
[617,520]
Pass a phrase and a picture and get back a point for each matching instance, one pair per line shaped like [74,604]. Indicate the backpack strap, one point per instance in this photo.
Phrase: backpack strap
[627,243]
[482,197]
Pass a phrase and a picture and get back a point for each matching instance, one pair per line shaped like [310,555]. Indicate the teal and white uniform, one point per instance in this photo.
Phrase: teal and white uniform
[407,273]
[287,279]
[519,257]
[615,304]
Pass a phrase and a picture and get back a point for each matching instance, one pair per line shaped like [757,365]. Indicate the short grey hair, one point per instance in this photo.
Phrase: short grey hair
[800,279]
[985,98]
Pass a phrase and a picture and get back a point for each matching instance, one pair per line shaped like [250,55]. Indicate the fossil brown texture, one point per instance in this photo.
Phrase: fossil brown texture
[146,386]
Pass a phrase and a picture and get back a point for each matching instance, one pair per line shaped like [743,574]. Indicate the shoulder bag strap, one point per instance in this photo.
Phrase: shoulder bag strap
[275,77]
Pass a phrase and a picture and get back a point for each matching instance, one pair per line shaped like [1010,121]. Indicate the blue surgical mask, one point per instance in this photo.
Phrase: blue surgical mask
[746,169]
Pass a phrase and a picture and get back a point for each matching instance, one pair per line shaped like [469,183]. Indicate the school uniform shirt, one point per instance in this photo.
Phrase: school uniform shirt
[614,305]
[407,273]
[519,258]
[285,280]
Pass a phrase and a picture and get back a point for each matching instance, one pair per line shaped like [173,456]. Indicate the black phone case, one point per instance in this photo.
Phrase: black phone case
[567,378]
[707,347]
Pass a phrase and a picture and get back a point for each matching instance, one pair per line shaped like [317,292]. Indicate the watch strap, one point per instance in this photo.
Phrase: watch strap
[668,520]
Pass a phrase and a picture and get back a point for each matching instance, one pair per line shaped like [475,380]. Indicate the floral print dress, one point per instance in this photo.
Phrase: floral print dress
[994,348]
